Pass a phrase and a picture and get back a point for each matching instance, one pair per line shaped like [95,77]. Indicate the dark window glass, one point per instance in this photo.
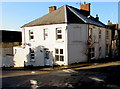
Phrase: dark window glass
[56,51]
[59,36]
[61,51]
[61,58]
[57,57]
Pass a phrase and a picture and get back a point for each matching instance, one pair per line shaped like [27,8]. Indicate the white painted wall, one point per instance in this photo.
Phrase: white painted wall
[22,57]
[51,43]
[73,43]
[77,37]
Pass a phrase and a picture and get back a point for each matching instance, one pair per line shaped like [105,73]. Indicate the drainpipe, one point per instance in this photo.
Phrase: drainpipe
[88,38]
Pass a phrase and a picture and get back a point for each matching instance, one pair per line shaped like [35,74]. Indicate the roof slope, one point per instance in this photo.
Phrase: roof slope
[65,14]
[55,17]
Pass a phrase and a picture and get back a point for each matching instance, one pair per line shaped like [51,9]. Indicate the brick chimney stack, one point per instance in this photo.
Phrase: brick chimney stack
[85,7]
[52,8]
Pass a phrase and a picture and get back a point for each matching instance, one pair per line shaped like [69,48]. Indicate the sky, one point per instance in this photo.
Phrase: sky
[16,14]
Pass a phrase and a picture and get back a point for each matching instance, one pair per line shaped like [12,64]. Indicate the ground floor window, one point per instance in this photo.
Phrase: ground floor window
[32,55]
[107,49]
[59,55]
[46,55]
[91,53]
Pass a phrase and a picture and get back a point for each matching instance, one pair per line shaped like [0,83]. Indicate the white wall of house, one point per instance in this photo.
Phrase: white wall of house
[73,42]
[39,43]
[108,42]
[77,38]
[98,41]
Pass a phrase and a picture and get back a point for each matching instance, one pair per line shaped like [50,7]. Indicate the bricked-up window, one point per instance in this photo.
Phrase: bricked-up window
[59,55]
[58,33]
[32,55]
[31,34]
[45,34]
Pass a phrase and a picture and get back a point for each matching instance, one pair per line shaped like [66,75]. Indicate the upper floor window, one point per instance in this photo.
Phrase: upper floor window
[45,34]
[31,34]
[90,33]
[107,34]
[58,33]
[100,34]
[59,55]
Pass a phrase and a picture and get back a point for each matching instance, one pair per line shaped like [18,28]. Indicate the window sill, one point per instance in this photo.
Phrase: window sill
[32,40]
[32,60]
[60,40]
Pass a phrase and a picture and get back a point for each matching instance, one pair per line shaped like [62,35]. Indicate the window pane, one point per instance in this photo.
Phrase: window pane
[45,34]
[92,49]
[32,54]
[92,55]
[59,31]
[61,58]
[31,37]
[56,51]
[61,51]
[59,36]
[31,32]
[32,57]
[57,57]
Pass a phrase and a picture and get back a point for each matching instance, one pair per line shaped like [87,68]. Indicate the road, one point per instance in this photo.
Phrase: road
[107,77]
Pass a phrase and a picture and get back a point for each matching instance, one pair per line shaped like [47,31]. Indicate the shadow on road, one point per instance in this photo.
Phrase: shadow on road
[97,78]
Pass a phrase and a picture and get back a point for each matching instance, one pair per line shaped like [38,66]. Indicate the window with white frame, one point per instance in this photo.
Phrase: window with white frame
[31,35]
[59,55]
[45,33]
[90,33]
[107,34]
[58,33]
[92,52]
[32,55]
[100,34]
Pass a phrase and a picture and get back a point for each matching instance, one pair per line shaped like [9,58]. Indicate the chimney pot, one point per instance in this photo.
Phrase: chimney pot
[52,8]
[97,18]
[109,23]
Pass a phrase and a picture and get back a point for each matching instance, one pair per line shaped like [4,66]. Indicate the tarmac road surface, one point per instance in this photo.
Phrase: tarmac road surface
[107,77]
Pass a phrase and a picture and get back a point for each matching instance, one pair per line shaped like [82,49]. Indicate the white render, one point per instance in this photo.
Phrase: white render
[73,42]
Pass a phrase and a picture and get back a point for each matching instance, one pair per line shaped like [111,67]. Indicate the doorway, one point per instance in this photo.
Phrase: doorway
[46,57]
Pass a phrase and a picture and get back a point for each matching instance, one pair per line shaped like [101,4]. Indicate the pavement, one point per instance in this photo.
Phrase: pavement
[73,66]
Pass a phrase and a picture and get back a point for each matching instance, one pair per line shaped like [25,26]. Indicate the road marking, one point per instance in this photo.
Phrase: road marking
[69,71]
[96,79]
[33,72]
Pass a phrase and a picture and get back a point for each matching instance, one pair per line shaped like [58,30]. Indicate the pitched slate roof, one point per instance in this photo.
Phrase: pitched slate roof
[65,14]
